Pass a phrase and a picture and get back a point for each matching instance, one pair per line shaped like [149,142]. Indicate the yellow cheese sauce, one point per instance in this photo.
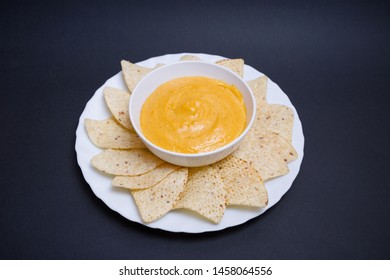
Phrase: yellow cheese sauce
[193,114]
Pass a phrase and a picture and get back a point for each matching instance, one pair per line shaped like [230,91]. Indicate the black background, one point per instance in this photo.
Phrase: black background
[330,57]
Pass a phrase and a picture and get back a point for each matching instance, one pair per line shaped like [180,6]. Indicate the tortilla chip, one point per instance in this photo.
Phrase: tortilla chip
[155,202]
[189,57]
[243,184]
[236,65]
[259,89]
[146,180]
[273,140]
[204,193]
[279,119]
[110,134]
[118,102]
[125,162]
[133,73]
[267,162]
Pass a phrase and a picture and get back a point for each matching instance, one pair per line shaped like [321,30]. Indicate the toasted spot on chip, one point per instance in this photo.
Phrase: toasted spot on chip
[280,119]
[133,73]
[243,184]
[125,162]
[189,57]
[118,102]
[204,193]
[259,89]
[236,65]
[146,180]
[110,134]
[267,162]
[155,202]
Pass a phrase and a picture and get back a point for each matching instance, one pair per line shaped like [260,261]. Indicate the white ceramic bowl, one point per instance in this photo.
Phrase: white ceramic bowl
[189,68]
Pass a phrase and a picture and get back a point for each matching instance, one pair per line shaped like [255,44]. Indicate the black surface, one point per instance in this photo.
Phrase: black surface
[331,57]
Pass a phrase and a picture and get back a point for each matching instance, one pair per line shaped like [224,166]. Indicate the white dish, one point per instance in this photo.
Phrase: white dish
[190,68]
[122,202]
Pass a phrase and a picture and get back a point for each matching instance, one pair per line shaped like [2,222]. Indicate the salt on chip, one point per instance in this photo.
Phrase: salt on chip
[110,134]
[204,193]
[147,180]
[118,102]
[133,73]
[280,119]
[236,65]
[125,162]
[243,184]
[155,202]
[189,57]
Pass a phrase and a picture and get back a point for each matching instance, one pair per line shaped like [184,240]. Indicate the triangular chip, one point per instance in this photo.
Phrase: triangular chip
[236,65]
[280,119]
[259,89]
[243,184]
[260,135]
[118,102]
[261,126]
[204,193]
[125,162]
[264,147]
[267,162]
[155,202]
[189,57]
[147,180]
[110,134]
[133,73]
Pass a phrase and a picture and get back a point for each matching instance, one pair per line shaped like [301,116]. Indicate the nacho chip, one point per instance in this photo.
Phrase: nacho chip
[267,162]
[189,57]
[204,193]
[133,73]
[272,120]
[243,184]
[118,102]
[155,202]
[259,89]
[110,134]
[280,119]
[125,162]
[236,65]
[146,180]
[271,139]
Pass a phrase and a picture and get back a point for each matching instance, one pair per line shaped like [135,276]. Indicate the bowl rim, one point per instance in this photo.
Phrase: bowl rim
[202,154]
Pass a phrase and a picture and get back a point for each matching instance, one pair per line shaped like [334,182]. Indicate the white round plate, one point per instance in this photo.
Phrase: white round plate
[121,201]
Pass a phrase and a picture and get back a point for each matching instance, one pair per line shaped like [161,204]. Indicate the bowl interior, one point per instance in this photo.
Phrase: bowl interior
[180,69]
